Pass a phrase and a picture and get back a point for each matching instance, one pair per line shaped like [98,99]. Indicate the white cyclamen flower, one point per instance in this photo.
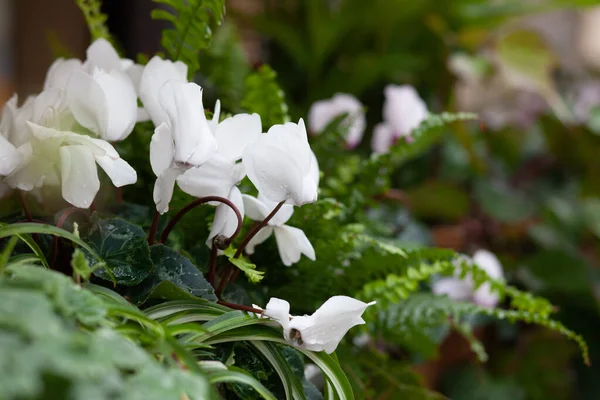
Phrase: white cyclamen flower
[182,142]
[324,111]
[222,172]
[464,289]
[325,328]
[282,166]
[155,74]
[403,111]
[291,242]
[56,156]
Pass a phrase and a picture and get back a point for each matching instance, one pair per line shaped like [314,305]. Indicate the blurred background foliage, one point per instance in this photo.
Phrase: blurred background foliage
[523,182]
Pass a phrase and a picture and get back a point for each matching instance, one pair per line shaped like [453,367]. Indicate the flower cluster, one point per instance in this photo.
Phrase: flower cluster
[403,111]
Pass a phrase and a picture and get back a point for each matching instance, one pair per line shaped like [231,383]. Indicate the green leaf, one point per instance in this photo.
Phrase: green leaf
[219,373]
[124,248]
[242,263]
[264,96]
[94,18]
[190,30]
[502,202]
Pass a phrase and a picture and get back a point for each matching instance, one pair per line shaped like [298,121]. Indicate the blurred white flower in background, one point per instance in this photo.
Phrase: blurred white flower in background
[291,242]
[403,111]
[323,112]
[325,328]
[464,289]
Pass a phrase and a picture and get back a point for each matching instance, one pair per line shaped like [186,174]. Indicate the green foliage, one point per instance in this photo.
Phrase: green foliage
[191,30]
[124,248]
[264,97]
[242,263]
[95,19]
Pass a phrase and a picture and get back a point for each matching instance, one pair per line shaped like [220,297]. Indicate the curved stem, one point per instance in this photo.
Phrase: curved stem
[153,228]
[25,206]
[195,203]
[213,264]
[240,307]
[231,270]
[256,229]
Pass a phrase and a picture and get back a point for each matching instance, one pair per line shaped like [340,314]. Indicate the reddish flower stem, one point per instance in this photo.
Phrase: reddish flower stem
[66,214]
[153,228]
[195,203]
[240,307]
[213,264]
[230,272]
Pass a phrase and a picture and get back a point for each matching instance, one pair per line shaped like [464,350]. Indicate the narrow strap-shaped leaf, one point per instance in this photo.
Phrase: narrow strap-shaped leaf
[171,308]
[291,384]
[219,373]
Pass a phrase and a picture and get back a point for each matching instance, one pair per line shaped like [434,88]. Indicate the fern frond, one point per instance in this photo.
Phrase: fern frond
[191,28]
[264,96]
[95,19]
[374,174]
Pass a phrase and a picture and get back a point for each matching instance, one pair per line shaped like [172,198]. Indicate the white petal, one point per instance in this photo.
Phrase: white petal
[235,133]
[101,54]
[121,101]
[87,102]
[215,177]
[383,138]
[214,122]
[484,296]
[226,222]
[278,163]
[156,73]
[489,263]
[255,209]
[163,188]
[260,237]
[60,72]
[327,326]
[455,288]
[10,158]
[79,175]
[118,170]
[325,111]
[134,72]
[161,149]
[292,243]
[321,113]
[282,216]
[279,310]
[310,183]
[403,109]
[194,141]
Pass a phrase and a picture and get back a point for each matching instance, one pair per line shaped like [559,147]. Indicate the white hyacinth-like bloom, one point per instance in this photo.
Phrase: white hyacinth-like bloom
[291,242]
[182,142]
[403,111]
[282,166]
[464,289]
[324,111]
[324,329]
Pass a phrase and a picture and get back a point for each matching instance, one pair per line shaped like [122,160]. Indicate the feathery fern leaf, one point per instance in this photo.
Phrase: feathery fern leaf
[191,31]
[264,96]
[94,18]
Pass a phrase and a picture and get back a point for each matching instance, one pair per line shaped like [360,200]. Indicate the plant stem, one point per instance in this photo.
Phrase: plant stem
[195,203]
[25,206]
[66,214]
[240,307]
[230,272]
[153,228]
[213,264]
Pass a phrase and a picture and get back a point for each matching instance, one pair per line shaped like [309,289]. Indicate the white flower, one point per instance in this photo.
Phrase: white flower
[60,72]
[104,102]
[155,74]
[56,156]
[282,166]
[325,328]
[403,111]
[291,242]
[182,142]
[221,173]
[324,111]
[464,289]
